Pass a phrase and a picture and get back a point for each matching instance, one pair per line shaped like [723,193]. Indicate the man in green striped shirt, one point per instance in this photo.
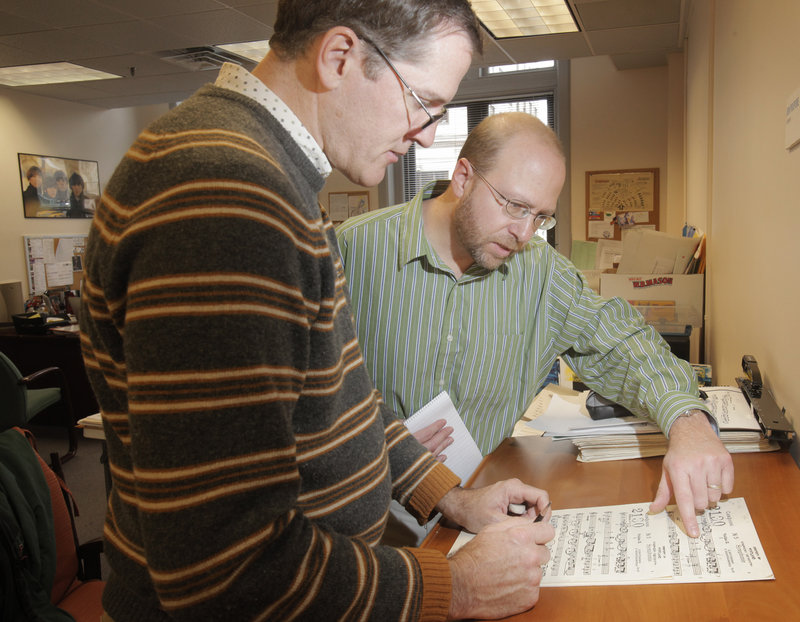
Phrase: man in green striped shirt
[455,293]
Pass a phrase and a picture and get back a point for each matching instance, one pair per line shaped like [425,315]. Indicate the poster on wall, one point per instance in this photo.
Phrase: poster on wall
[620,200]
[56,187]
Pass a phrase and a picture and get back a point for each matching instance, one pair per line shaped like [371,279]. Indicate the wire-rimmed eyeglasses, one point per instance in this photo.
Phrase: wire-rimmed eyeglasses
[432,118]
[517,209]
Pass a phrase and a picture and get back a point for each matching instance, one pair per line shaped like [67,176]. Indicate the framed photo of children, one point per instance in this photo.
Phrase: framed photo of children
[55,187]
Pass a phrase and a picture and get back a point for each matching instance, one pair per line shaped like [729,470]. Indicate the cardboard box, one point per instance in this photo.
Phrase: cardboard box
[668,302]
[684,292]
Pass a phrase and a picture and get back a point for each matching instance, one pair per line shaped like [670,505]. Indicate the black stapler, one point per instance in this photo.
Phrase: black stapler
[601,408]
[772,419]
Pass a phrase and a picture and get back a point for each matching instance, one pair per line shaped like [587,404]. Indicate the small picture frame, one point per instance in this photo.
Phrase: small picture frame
[57,187]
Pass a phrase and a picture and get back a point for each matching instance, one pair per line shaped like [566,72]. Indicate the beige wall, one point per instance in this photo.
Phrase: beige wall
[30,124]
[619,120]
[742,67]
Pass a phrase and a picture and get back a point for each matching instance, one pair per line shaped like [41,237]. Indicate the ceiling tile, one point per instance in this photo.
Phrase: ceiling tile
[148,9]
[132,36]
[55,45]
[11,56]
[228,26]
[11,24]
[610,14]
[144,65]
[641,39]
[264,12]
[63,14]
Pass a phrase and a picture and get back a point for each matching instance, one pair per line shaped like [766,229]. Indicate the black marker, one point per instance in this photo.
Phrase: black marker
[540,516]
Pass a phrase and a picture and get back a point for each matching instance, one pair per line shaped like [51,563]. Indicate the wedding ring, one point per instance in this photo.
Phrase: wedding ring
[715,486]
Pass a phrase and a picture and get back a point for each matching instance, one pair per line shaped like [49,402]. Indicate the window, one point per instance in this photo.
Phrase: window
[421,166]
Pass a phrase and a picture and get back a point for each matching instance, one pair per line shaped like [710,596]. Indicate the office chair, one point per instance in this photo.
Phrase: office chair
[22,403]
[56,572]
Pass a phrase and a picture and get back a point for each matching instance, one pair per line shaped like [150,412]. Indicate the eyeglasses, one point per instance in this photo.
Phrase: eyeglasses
[518,210]
[432,118]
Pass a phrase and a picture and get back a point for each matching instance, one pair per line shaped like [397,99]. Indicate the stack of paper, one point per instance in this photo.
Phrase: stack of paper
[92,426]
[654,252]
[565,417]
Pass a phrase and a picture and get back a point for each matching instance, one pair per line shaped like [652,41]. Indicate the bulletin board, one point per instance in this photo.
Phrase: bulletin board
[54,261]
[344,205]
[620,199]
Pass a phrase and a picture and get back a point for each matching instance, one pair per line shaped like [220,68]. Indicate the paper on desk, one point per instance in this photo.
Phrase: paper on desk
[731,409]
[609,252]
[463,456]
[626,545]
[634,437]
[92,421]
[654,252]
[565,418]
[70,329]
[558,414]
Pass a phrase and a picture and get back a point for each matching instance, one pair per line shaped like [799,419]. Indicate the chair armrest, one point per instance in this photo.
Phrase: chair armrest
[30,378]
[89,556]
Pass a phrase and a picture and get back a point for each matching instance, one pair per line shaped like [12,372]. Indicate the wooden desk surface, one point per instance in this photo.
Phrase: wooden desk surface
[769,483]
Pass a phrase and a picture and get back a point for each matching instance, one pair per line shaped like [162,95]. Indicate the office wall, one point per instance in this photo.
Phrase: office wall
[30,124]
[337,182]
[735,129]
[619,119]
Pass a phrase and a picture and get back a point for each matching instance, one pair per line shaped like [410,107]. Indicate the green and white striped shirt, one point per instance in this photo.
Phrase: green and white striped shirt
[489,338]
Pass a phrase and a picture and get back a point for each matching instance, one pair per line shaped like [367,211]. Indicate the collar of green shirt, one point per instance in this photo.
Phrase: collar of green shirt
[414,246]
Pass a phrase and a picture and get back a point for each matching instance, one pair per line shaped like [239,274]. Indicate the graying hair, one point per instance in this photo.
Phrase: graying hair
[399,27]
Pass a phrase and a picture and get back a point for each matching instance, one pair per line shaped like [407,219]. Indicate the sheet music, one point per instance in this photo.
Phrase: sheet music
[463,456]
[731,409]
[626,545]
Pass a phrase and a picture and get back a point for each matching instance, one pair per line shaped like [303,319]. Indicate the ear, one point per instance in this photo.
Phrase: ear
[338,53]
[462,173]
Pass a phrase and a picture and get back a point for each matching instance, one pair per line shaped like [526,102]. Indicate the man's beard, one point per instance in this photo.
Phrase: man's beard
[472,239]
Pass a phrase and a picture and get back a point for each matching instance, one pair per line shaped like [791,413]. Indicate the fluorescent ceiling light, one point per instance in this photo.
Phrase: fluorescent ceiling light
[539,64]
[254,50]
[50,73]
[522,18]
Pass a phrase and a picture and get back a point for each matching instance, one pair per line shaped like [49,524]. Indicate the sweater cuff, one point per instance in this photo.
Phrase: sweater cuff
[437,483]
[437,584]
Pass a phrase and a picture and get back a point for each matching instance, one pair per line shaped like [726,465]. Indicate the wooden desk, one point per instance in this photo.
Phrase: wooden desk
[769,483]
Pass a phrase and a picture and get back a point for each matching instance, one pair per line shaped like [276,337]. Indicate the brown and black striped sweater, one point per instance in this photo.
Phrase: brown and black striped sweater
[252,460]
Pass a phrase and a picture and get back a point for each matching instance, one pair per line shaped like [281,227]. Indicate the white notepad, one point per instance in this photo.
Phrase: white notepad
[463,456]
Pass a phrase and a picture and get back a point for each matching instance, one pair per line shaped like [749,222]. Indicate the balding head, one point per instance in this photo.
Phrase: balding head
[491,135]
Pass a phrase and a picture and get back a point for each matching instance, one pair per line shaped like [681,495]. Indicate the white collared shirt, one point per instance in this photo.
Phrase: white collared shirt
[236,78]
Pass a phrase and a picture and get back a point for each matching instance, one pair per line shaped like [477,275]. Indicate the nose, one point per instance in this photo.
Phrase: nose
[522,229]
[424,138]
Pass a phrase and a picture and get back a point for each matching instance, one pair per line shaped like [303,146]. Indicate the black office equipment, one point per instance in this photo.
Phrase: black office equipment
[602,408]
[771,418]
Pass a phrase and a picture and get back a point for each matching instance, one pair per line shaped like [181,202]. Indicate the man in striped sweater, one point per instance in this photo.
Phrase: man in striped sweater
[252,460]
[501,304]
